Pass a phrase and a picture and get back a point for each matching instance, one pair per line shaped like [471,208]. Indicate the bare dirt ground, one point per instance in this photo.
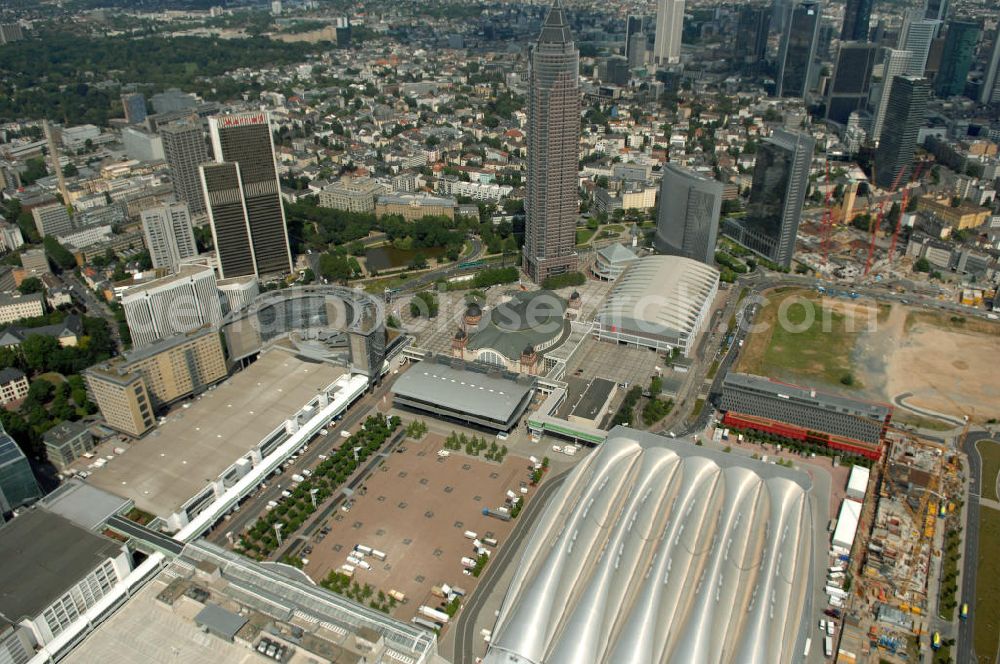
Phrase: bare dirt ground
[416,508]
[945,365]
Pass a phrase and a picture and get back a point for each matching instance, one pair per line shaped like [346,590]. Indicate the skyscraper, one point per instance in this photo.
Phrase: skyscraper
[959,50]
[169,237]
[184,149]
[906,114]
[894,63]
[688,219]
[916,36]
[18,486]
[669,26]
[245,139]
[633,26]
[134,104]
[750,45]
[176,304]
[936,10]
[780,180]
[553,150]
[990,92]
[227,213]
[857,18]
[848,91]
[798,49]
[637,50]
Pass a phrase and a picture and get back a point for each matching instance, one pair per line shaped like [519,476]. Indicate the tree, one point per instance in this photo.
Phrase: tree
[31,285]
[37,349]
[58,254]
[70,170]
[922,265]
[424,303]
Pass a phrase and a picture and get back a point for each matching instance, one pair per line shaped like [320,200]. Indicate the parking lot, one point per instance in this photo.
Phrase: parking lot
[416,509]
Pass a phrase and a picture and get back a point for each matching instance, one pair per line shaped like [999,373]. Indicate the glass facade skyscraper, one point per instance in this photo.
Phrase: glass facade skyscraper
[956,60]
[687,222]
[905,115]
[857,19]
[750,46]
[18,486]
[552,202]
[798,49]
[852,80]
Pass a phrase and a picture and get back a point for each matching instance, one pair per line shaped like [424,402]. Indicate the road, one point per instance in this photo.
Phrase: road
[465,627]
[254,506]
[964,649]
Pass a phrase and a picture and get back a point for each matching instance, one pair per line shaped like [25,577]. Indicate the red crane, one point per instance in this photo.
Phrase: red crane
[902,209]
[875,226]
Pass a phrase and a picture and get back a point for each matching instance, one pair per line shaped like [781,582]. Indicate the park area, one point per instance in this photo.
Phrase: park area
[934,363]
[989,452]
[987,602]
[416,510]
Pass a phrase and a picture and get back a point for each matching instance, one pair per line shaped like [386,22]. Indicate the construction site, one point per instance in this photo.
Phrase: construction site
[901,577]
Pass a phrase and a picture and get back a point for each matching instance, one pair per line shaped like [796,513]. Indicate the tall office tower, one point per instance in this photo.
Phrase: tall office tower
[990,93]
[633,26]
[176,304]
[857,19]
[959,50]
[245,139]
[669,26]
[916,37]
[134,104]
[228,215]
[184,149]
[637,50]
[798,49]
[553,150]
[750,45]
[852,78]
[169,237]
[894,63]
[688,220]
[779,15]
[780,181]
[906,114]
[936,10]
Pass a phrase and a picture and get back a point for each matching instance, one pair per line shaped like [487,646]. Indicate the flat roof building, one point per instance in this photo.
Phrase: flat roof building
[17,306]
[52,219]
[351,195]
[13,385]
[68,441]
[612,569]
[415,206]
[53,571]
[799,413]
[176,304]
[594,403]
[491,400]
[660,302]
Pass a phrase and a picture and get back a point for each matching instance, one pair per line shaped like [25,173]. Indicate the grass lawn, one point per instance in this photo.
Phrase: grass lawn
[802,339]
[53,377]
[901,416]
[583,235]
[699,405]
[987,601]
[615,228]
[990,453]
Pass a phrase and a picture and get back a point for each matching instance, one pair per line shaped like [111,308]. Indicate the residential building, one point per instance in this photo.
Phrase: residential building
[130,390]
[857,18]
[122,400]
[11,238]
[916,36]
[68,441]
[245,139]
[688,219]
[54,570]
[18,486]
[804,414]
[15,306]
[780,181]
[476,190]
[351,195]
[797,51]
[176,304]
[52,219]
[669,27]
[552,202]
[956,59]
[184,149]
[894,63]
[35,262]
[851,84]
[750,45]
[13,385]
[906,112]
[415,206]
[169,237]
[67,332]
[134,105]
[10,32]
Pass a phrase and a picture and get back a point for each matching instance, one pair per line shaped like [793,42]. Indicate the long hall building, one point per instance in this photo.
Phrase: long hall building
[799,413]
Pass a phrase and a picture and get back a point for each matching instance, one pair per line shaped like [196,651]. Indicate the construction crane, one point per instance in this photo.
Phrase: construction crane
[827,229]
[902,209]
[879,217]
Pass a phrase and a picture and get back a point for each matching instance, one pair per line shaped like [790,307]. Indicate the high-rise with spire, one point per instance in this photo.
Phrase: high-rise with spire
[553,150]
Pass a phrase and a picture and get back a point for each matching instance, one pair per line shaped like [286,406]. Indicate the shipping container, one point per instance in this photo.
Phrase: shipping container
[363,549]
[434,614]
[378,554]
[470,534]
